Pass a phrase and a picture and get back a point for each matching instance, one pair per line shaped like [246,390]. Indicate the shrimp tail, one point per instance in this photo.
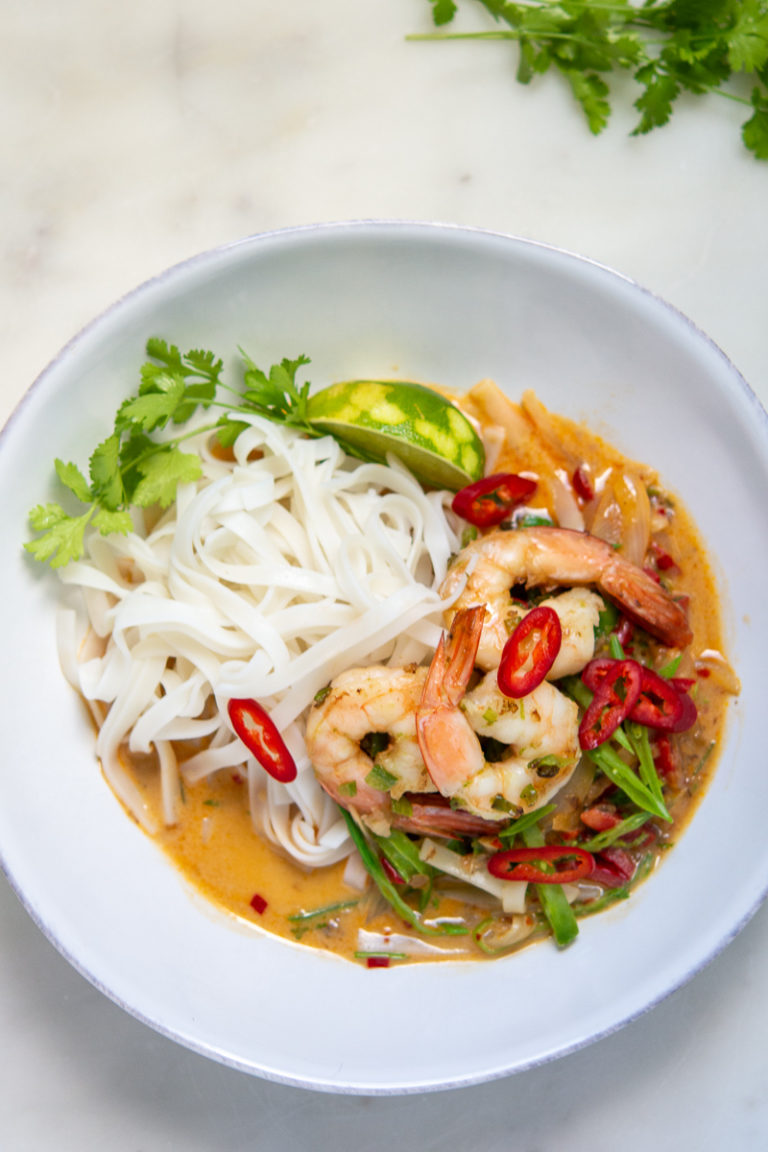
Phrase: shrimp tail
[453,661]
[647,604]
[446,742]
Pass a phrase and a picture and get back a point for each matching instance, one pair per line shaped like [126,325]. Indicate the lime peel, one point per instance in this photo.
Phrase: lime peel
[424,429]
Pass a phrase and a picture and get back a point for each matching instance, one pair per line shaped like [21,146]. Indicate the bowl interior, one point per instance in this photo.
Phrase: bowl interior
[430,303]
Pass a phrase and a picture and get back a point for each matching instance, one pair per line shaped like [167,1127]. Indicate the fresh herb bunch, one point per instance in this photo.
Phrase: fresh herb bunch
[136,467]
[669,46]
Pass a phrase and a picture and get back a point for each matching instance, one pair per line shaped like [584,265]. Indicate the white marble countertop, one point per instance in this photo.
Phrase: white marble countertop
[135,136]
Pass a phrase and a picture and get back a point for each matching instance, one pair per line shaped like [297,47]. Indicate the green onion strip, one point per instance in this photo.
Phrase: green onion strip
[552,898]
[388,889]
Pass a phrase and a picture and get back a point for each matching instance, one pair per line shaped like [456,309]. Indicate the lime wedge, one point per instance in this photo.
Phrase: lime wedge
[431,436]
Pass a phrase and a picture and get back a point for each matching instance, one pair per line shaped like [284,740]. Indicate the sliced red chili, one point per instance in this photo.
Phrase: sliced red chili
[641,838]
[663,756]
[659,704]
[582,484]
[615,695]
[530,652]
[663,703]
[391,871]
[613,867]
[258,732]
[593,674]
[377,962]
[489,500]
[625,631]
[690,713]
[667,760]
[258,903]
[664,562]
[600,817]
[542,865]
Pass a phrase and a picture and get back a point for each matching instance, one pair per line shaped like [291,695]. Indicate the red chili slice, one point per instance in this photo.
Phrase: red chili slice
[259,734]
[689,714]
[625,631]
[600,817]
[613,867]
[594,673]
[662,704]
[391,871]
[524,864]
[664,562]
[616,694]
[530,652]
[258,903]
[659,704]
[489,500]
[582,484]
[666,760]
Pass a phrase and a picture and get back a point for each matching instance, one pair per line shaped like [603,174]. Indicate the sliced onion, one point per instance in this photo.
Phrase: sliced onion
[545,425]
[472,870]
[712,663]
[565,505]
[622,516]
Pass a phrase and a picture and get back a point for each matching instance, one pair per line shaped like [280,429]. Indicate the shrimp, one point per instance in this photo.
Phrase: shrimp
[361,741]
[578,610]
[541,731]
[493,564]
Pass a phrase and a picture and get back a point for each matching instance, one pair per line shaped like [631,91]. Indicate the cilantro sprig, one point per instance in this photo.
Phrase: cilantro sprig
[139,464]
[669,47]
[274,395]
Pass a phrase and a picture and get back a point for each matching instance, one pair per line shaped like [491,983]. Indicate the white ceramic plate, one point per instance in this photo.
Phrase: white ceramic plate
[428,302]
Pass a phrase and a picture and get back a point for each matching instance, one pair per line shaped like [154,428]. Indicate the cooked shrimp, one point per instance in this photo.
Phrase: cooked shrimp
[496,562]
[579,612]
[541,731]
[341,738]
[361,703]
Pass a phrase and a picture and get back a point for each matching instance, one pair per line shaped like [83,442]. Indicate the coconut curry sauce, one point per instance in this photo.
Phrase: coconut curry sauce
[582,482]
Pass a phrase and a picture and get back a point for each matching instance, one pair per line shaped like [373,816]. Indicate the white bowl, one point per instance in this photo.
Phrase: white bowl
[427,302]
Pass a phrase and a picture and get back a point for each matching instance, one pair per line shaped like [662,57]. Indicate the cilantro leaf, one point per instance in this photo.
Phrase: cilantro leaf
[44,516]
[592,93]
[195,375]
[755,130]
[277,395]
[71,477]
[106,481]
[655,104]
[443,11]
[161,474]
[228,430]
[108,522]
[63,535]
[153,409]
[748,39]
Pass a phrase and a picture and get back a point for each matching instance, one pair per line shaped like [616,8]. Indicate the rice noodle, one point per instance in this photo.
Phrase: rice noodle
[266,577]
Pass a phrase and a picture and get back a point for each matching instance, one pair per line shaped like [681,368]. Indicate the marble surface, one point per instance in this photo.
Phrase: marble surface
[135,136]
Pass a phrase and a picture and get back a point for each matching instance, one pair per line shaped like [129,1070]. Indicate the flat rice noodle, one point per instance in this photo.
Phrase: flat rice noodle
[267,578]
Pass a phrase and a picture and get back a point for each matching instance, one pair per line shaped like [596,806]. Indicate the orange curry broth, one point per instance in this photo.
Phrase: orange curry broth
[215,845]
